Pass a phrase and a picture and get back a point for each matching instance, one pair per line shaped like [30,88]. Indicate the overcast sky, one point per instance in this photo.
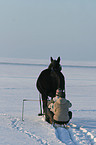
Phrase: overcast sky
[38,29]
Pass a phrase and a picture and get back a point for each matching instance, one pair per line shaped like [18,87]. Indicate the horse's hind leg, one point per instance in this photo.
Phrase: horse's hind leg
[44,99]
[45,109]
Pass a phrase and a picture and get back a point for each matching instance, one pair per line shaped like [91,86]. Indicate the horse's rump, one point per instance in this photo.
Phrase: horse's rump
[48,81]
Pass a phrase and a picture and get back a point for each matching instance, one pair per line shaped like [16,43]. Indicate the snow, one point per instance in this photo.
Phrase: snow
[18,81]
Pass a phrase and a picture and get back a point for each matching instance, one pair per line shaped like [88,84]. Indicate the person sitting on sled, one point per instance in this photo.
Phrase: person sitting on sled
[58,110]
[62,115]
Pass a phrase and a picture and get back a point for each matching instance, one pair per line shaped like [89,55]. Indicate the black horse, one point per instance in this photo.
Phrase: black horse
[50,80]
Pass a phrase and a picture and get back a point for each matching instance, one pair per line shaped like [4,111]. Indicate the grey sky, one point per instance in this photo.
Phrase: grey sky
[44,28]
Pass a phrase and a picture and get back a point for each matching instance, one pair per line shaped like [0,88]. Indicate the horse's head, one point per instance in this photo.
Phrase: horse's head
[55,64]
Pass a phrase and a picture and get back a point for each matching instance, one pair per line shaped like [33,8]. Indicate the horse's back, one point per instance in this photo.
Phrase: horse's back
[48,81]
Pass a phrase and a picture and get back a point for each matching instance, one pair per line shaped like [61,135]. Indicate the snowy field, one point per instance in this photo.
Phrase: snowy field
[18,81]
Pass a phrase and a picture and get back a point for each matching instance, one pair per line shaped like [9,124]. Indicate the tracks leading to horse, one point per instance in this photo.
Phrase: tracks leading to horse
[17,124]
[75,135]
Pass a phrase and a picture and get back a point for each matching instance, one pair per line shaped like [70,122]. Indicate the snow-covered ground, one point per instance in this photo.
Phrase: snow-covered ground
[18,81]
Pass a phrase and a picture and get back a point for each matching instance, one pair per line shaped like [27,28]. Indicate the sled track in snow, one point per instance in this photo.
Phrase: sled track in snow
[64,136]
[75,135]
[81,135]
[17,124]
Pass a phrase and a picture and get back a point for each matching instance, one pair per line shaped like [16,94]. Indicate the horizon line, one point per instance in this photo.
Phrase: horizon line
[39,64]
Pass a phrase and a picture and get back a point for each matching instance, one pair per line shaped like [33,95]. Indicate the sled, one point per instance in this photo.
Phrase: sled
[55,125]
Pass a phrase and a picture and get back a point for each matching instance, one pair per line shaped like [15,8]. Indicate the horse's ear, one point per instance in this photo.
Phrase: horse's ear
[51,59]
[58,59]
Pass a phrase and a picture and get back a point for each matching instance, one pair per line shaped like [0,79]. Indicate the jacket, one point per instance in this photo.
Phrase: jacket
[61,109]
